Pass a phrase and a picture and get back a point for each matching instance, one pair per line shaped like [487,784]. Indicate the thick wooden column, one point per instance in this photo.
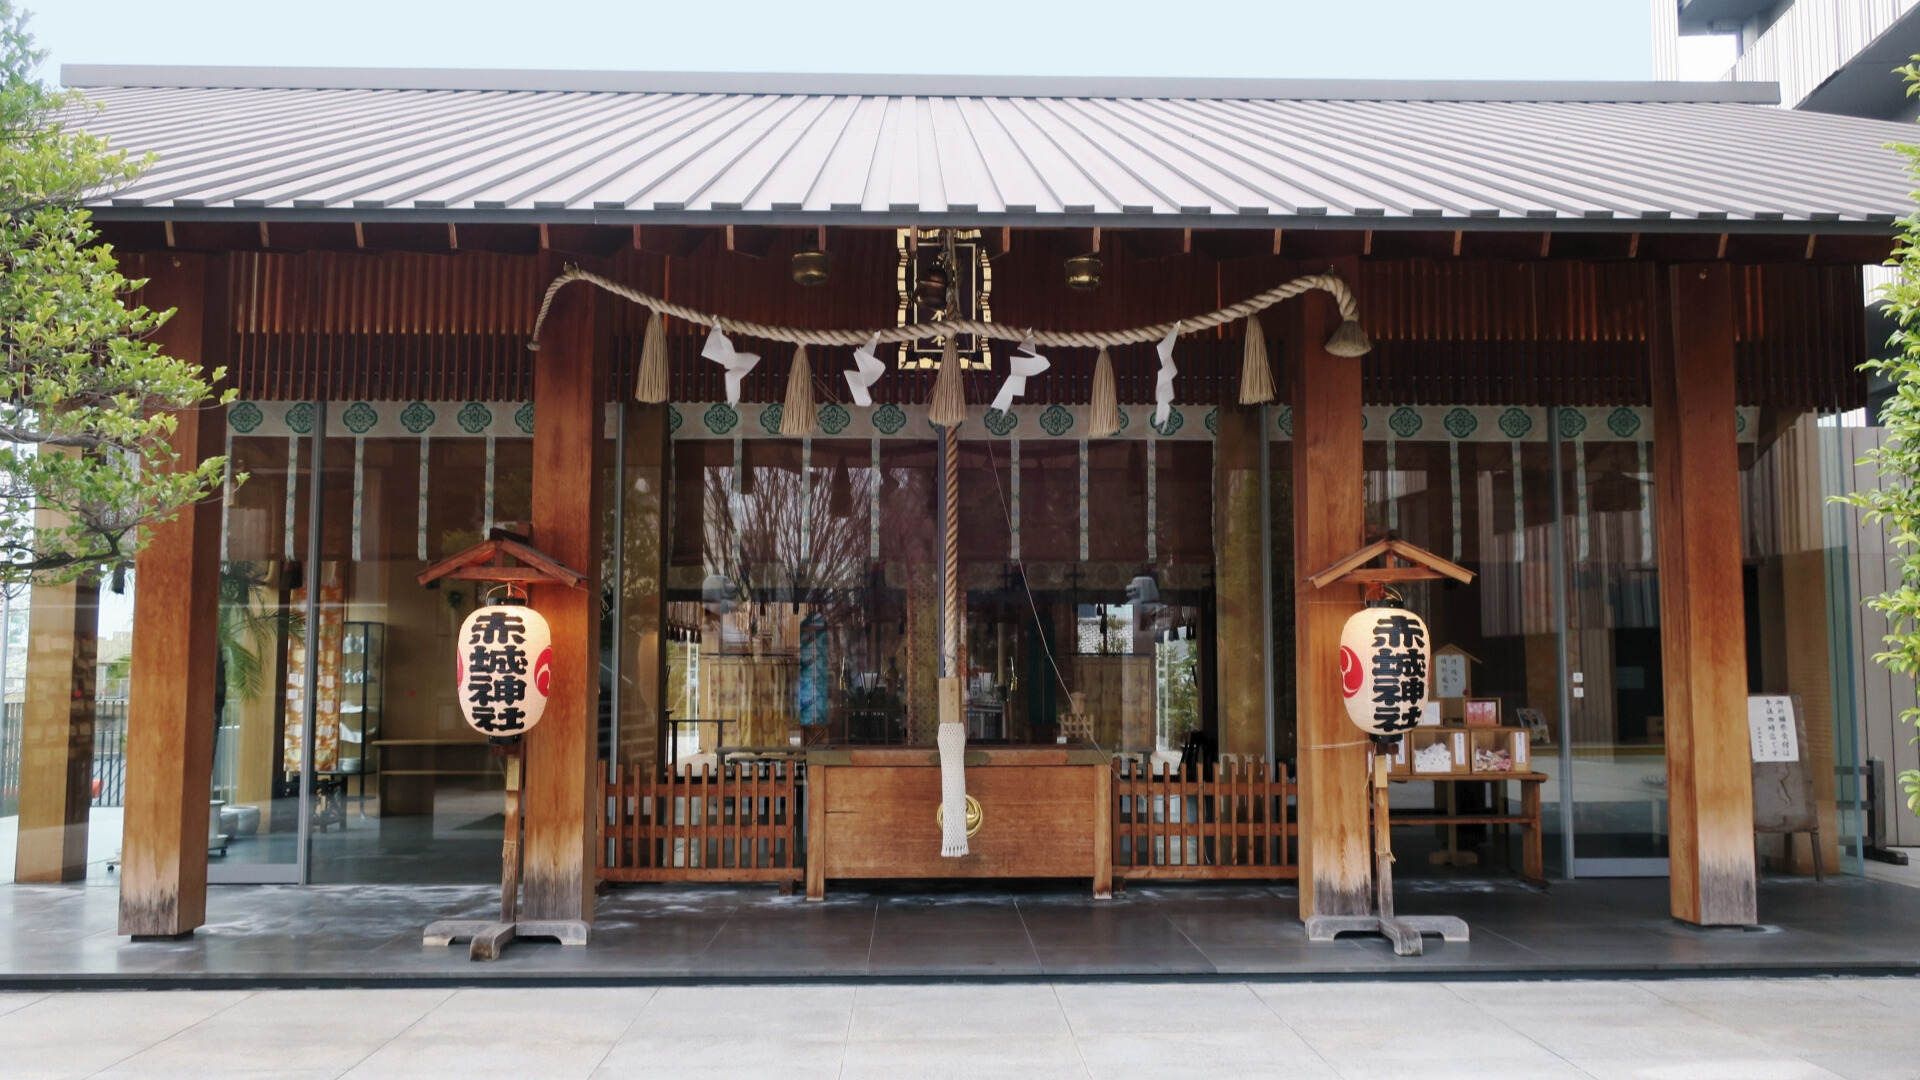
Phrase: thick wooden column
[170,710]
[570,372]
[56,754]
[1329,521]
[1239,582]
[1702,628]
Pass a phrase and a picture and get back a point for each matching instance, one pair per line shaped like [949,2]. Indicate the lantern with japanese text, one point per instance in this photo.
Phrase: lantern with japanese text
[503,664]
[1383,669]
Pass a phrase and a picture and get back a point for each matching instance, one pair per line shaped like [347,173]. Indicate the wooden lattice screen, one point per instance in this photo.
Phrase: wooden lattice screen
[1204,822]
[739,823]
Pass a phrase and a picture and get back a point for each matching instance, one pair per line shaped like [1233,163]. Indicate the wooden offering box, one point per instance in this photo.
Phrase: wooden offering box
[1044,812]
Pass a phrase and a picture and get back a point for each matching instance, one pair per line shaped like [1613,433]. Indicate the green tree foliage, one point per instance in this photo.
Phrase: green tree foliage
[1895,503]
[85,397]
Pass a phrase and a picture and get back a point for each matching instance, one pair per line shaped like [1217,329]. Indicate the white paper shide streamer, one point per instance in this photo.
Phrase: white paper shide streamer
[866,371]
[1163,386]
[721,351]
[1020,367]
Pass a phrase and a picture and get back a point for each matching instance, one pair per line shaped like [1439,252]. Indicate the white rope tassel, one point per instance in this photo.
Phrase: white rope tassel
[651,384]
[1105,418]
[953,790]
[797,415]
[1256,375]
[948,408]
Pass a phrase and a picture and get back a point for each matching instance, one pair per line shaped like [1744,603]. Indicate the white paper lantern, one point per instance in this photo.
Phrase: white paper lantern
[1384,659]
[503,665]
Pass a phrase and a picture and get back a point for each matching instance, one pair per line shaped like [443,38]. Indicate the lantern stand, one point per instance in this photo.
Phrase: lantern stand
[487,561]
[1416,564]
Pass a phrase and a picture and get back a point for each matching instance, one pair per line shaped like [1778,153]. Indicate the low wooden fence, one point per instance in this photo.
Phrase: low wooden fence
[746,822]
[742,822]
[1203,822]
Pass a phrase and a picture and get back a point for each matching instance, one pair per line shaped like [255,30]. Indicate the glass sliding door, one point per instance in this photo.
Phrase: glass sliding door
[1616,731]
[256,830]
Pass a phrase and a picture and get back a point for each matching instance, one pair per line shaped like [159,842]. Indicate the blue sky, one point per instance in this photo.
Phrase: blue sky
[1455,39]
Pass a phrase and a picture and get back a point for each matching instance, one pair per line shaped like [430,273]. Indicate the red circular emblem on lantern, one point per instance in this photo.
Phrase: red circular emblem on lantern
[543,671]
[1351,675]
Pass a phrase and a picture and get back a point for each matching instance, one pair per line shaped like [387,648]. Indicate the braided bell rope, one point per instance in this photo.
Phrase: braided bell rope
[950,573]
[1329,283]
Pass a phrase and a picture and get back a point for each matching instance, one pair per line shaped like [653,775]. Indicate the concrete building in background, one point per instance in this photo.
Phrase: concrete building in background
[1830,56]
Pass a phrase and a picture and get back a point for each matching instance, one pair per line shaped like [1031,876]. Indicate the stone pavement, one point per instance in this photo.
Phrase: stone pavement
[1718,1029]
[67,937]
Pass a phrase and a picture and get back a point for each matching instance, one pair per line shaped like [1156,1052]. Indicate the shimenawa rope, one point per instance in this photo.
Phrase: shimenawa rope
[1348,340]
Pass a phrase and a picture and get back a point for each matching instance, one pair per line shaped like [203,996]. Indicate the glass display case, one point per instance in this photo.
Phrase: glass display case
[362,676]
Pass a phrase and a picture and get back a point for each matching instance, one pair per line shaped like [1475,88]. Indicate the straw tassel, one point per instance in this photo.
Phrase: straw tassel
[797,415]
[949,405]
[1256,376]
[1106,400]
[1349,340]
[651,384]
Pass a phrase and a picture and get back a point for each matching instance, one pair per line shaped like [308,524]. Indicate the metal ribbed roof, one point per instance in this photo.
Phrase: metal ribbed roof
[1409,155]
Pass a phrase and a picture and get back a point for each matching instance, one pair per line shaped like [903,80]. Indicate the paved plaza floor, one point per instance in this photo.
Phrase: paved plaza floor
[1719,1029]
[369,935]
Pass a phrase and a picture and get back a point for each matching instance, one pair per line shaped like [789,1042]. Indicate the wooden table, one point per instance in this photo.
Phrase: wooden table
[1532,869]
[1046,812]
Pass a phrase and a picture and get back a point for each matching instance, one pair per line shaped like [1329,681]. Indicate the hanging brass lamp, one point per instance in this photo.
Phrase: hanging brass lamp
[810,264]
[1083,272]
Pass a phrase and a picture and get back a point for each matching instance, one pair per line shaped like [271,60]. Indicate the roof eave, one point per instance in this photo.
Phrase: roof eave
[803,219]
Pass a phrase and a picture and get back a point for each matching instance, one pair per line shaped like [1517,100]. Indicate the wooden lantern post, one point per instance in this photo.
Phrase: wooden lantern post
[487,561]
[1417,564]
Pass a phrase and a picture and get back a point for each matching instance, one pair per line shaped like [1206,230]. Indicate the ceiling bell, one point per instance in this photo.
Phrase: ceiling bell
[931,287]
[809,265]
[1083,272]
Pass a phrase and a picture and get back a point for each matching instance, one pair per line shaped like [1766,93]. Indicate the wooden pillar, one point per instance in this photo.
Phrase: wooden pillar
[56,753]
[1702,629]
[570,373]
[1239,582]
[1329,521]
[170,710]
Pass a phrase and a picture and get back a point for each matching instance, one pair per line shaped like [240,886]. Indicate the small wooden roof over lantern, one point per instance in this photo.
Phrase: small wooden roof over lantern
[1400,561]
[487,561]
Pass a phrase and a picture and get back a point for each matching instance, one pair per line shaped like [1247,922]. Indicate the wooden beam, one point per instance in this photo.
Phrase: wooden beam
[562,751]
[56,757]
[1702,622]
[1329,521]
[170,708]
